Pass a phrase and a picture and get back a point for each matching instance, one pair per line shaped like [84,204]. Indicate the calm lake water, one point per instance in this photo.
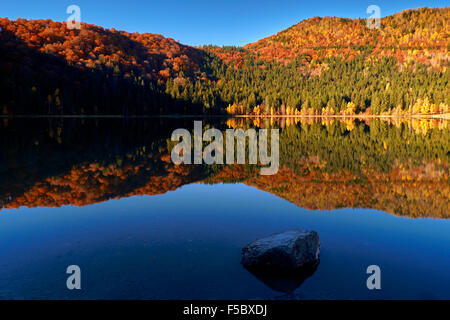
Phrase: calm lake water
[103,194]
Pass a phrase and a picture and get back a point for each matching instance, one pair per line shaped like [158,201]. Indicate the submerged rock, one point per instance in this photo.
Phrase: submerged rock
[285,252]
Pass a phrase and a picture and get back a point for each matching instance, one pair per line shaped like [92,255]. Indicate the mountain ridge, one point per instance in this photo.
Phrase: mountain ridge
[337,32]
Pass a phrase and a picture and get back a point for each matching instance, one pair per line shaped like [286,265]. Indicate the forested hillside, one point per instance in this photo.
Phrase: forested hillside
[48,69]
[410,36]
[320,66]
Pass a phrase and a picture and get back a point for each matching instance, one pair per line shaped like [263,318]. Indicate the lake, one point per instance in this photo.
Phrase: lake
[103,194]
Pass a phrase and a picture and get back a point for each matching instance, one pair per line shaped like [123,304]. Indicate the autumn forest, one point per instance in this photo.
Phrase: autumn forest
[321,66]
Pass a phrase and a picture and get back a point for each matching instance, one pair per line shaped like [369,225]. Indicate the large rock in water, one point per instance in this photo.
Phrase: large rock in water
[288,251]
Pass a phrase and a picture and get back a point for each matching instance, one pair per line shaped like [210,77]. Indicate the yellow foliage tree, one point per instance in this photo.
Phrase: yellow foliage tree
[425,108]
[351,108]
[257,110]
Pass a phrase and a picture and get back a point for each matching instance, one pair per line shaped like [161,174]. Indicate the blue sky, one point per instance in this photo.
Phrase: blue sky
[198,22]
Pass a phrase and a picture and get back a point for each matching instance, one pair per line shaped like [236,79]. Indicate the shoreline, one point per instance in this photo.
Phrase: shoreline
[353,116]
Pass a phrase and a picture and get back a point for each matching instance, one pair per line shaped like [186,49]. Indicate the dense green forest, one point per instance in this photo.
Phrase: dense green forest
[379,86]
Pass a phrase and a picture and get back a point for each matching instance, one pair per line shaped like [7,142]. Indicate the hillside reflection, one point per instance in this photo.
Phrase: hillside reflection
[401,167]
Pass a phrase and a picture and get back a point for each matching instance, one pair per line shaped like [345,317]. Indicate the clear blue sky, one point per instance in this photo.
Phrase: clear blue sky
[198,22]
